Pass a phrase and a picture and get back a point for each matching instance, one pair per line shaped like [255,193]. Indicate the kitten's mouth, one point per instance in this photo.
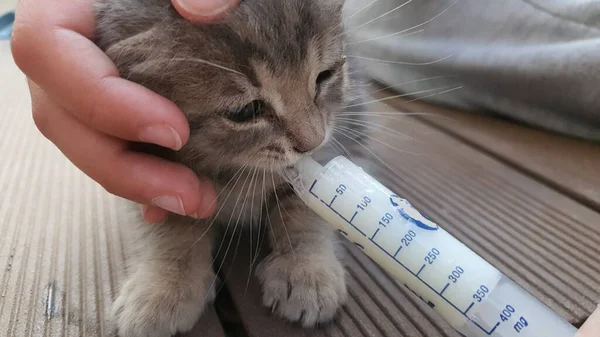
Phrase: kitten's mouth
[288,160]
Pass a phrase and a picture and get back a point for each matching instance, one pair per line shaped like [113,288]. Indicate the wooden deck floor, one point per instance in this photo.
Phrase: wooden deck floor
[526,201]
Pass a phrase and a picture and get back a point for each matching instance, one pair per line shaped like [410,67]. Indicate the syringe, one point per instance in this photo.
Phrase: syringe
[468,292]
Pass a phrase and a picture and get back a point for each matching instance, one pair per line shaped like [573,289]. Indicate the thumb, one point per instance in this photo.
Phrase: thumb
[203,10]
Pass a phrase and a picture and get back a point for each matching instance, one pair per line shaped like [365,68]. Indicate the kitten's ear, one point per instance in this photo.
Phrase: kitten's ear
[138,54]
[142,58]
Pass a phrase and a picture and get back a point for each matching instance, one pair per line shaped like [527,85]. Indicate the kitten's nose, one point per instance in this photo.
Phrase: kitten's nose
[307,139]
[304,125]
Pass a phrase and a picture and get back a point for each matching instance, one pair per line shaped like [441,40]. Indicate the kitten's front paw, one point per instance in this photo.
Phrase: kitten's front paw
[309,289]
[150,307]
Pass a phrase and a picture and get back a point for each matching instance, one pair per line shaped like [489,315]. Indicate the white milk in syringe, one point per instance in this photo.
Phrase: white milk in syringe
[472,295]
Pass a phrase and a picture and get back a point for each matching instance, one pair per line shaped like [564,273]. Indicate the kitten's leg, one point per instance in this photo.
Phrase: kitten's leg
[170,282]
[303,279]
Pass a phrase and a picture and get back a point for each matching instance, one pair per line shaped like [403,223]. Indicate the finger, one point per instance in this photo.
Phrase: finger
[153,214]
[203,10]
[51,45]
[141,178]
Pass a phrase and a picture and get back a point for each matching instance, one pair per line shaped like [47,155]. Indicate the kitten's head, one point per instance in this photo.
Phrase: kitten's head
[260,88]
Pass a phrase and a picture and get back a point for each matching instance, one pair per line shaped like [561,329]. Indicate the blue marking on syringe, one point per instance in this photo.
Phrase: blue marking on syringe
[469,308]
[333,210]
[374,234]
[311,189]
[446,287]
[420,270]
[354,216]
[385,251]
[484,330]
[332,200]
[396,253]
[329,205]
[341,216]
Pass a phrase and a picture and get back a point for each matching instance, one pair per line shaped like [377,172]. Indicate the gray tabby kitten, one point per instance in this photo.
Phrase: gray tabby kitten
[260,90]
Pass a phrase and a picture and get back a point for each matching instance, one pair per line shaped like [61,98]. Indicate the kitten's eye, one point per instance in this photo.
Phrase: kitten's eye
[328,74]
[249,112]
[324,76]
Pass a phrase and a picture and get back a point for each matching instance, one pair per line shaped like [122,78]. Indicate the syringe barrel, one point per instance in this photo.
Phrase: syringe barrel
[468,292]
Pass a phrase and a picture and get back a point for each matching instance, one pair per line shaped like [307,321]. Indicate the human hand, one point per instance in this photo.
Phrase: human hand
[81,104]
[591,328]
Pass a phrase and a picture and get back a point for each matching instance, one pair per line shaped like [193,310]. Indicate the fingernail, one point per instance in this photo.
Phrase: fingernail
[145,209]
[162,135]
[205,7]
[169,203]
[209,199]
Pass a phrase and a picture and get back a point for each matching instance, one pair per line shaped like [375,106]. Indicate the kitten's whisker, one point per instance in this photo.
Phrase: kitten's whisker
[345,151]
[268,210]
[400,62]
[409,29]
[379,17]
[231,217]
[353,15]
[284,209]
[225,235]
[359,133]
[386,113]
[404,118]
[239,174]
[197,60]
[360,11]
[218,195]
[435,94]
[400,33]
[255,180]
[236,205]
[395,96]
[335,146]
[378,127]
[374,155]
[252,210]
[248,190]
[399,116]
[262,202]
[281,216]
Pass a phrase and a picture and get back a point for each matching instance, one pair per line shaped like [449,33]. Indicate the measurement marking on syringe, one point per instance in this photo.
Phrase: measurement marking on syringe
[349,222]
[416,275]
[353,217]
[332,200]
[374,234]
[469,308]
[483,329]
[420,270]
[396,253]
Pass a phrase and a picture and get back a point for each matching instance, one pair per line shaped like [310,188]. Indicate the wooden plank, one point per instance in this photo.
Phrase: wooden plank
[568,164]
[536,235]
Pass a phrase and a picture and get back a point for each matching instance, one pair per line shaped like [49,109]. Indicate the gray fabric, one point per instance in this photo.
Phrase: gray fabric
[535,61]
